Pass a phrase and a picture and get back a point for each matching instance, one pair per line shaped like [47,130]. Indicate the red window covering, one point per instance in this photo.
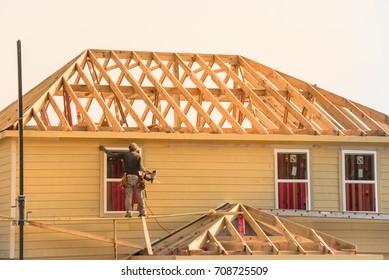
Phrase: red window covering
[115,194]
[360,182]
[292,173]
[360,197]
[292,195]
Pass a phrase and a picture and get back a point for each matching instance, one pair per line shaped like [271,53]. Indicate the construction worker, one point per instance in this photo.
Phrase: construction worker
[133,166]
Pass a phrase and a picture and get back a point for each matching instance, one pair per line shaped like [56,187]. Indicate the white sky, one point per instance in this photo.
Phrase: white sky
[340,45]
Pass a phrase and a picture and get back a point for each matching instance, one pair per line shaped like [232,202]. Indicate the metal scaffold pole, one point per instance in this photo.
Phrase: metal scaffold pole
[21,197]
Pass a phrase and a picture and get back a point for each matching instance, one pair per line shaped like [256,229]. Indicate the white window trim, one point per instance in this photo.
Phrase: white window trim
[360,152]
[308,180]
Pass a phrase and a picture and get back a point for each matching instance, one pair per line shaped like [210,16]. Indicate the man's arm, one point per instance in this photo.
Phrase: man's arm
[141,166]
[109,153]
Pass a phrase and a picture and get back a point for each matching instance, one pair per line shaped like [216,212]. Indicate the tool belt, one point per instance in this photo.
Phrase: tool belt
[141,183]
[123,181]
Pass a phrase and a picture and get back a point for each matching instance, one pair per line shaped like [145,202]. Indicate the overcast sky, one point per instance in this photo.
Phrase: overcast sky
[340,45]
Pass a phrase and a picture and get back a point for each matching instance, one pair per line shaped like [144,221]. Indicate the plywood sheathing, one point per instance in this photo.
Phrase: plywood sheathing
[239,229]
[108,90]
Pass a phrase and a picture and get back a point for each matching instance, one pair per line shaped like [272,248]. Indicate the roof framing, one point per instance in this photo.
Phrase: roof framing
[108,90]
[238,229]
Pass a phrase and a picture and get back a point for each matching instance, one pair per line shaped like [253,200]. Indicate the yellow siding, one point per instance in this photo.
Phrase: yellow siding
[383,180]
[6,229]
[325,172]
[63,178]
[202,176]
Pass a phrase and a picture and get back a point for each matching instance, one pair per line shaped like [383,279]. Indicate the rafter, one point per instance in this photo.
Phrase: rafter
[209,95]
[107,113]
[254,122]
[189,97]
[143,95]
[89,122]
[126,91]
[253,97]
[274,92]
[166,95]
[119,95]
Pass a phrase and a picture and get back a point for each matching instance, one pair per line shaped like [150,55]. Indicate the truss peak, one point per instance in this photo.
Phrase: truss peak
[133,91]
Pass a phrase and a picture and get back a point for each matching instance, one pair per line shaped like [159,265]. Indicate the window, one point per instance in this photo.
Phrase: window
[292,179]
[114,195]
[359,181]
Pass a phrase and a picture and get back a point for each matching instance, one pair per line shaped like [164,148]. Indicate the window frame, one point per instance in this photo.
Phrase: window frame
[307,180]
[344,181]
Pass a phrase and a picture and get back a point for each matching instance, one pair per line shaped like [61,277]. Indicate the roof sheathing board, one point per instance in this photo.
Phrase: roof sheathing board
[128,91]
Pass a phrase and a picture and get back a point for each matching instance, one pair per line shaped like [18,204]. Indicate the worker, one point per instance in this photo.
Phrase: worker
[133,166]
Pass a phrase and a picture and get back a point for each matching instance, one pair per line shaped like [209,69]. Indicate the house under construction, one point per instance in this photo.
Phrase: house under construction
[237,145]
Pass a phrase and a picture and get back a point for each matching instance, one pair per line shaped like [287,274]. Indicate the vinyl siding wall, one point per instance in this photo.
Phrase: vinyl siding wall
[64,178]
[7,168]
[325,179]
[383,180]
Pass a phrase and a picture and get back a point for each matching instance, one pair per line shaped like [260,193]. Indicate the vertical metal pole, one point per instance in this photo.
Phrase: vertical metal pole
[21,197]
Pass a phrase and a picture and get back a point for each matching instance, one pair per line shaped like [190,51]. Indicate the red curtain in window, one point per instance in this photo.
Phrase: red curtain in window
[115,194]
[292,195]
[360,197]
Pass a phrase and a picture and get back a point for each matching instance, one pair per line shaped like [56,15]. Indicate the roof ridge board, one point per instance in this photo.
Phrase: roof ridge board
[186,56]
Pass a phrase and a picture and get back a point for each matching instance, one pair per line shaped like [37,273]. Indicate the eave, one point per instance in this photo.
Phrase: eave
[247,139]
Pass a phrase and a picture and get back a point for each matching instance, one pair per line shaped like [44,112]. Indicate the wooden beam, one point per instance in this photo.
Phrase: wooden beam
[267,112]
[147,237]
[297,97]
[168,98]
[274,92]
[189,97]
[83,234]
[242,109]
[212,238]
[237,236]
[38,120]
[338,115]
[119,95]
[108,114]
[236,126]
[129,91]
[329,101]
[257,229]
[91,126]
[59,113]
[144,96]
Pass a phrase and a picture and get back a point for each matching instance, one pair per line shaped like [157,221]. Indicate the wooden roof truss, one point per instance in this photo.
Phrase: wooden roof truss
[243,230]
[106,90]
